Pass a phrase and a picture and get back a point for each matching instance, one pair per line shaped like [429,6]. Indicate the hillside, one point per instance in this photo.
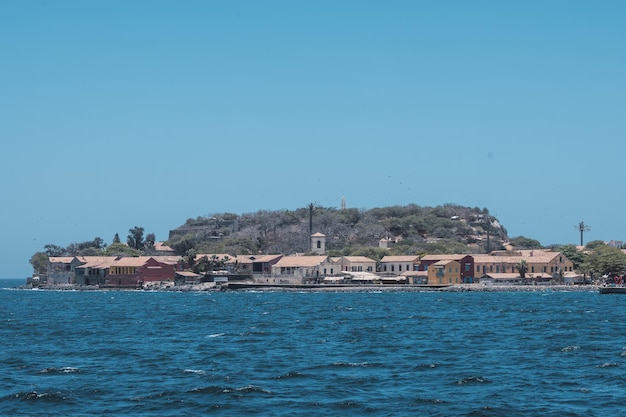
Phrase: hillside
[407,229]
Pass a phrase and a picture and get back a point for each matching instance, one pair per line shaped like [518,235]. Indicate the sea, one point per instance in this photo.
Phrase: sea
[371,353]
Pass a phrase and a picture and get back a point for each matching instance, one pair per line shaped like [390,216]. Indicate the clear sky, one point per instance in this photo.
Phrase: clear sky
[117,114]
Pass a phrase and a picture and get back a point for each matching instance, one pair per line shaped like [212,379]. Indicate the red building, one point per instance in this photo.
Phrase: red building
[133,272]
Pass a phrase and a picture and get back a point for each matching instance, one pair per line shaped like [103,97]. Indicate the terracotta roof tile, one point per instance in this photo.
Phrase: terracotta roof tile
[300,261]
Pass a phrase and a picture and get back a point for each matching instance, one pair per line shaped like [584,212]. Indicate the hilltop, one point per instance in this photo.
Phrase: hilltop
[403,230]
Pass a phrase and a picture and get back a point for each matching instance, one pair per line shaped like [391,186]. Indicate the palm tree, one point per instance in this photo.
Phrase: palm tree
[582,228]
[311,207]
[522,267]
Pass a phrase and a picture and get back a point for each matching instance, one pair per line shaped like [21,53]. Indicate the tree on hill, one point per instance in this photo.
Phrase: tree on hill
[522,242]
[414,229]
[594,244]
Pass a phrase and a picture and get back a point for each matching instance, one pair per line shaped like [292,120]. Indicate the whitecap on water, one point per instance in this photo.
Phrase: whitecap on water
[216,335]
[570,348]
[63,370]
[607,365]
[195,371]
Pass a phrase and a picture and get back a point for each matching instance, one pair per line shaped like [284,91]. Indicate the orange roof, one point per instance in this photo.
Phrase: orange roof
[529,256]
[449,257]
[390,258]
[61,259]
[359,259]
[300,261]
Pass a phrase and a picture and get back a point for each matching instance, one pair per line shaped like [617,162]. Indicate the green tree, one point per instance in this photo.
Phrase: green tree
[522,268]
[182,244]
[116,238]
[150,240]
[120,249]
[39,261]
[594,244]
[522,242]
[605,260]
[135,238]
[54,250]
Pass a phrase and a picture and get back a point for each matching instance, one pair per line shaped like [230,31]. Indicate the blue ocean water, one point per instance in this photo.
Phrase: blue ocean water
[107,353]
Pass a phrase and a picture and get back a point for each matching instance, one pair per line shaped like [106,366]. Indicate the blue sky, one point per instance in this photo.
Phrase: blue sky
[118,114]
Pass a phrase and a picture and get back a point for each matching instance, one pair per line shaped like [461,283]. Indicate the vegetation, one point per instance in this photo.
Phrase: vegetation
[604,260]
[39,261]
[410,230]
[522,268]
[136,245]
[407,230]
[522,242]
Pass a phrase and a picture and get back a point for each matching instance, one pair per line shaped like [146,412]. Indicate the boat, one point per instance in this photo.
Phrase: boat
[612,290]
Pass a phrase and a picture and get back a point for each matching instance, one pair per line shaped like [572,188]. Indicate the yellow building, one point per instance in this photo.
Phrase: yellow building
[540,262]
[445,272]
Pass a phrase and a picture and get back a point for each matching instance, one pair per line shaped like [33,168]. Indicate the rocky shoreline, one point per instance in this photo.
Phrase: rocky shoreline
[210,286]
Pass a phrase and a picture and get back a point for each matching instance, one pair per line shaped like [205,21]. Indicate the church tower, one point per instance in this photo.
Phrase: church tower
[318,243]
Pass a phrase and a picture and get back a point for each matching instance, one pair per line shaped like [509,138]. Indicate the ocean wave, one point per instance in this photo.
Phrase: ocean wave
[607,365]
[195,371]
[352,364]
[473,380]
[570,348]
[63,370]
[215,389]
[54,397]
[291,374]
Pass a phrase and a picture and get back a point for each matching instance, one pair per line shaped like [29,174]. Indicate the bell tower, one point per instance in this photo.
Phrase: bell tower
[318,243]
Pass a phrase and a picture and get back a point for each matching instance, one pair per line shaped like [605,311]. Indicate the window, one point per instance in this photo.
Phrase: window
[400,268]
[319,244]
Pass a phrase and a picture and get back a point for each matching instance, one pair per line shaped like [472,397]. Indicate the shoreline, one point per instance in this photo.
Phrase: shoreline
[249,287]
